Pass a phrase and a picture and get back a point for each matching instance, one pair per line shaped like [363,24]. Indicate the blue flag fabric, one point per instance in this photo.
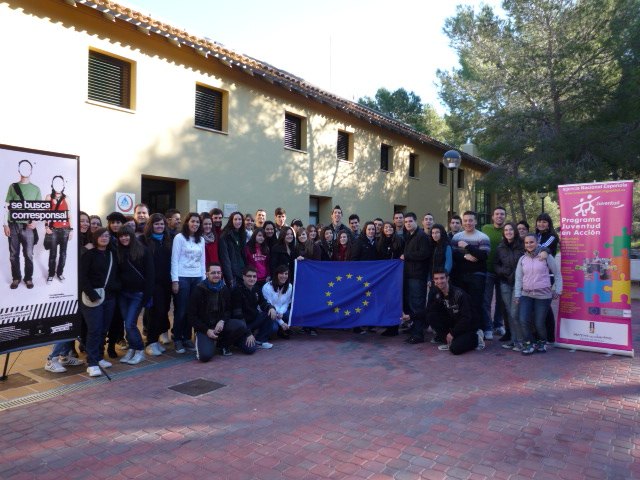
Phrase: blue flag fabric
[347,294]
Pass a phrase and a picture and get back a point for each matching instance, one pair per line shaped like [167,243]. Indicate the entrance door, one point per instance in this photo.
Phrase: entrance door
[159,195]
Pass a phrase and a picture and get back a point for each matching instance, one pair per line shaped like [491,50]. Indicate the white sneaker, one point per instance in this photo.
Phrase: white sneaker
[154,349]
[500,331]
[266,345]
[71,361]
[488,335]
[128,356]
[481,336]
[104,364]
[164,338]
[54,366]
[138,356]
[94,371]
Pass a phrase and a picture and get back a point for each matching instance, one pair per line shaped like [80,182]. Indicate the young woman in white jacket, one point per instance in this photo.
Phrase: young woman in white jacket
[278,292]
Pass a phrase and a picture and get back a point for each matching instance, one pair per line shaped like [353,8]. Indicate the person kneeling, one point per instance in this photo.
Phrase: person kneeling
[449,314]
[210,316]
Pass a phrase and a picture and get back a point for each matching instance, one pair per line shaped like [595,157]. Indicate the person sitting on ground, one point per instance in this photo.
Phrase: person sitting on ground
[449,314]
[249,303]
[210,316]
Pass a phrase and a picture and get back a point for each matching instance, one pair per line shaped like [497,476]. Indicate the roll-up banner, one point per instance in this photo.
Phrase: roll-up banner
[595,243]
[39,259]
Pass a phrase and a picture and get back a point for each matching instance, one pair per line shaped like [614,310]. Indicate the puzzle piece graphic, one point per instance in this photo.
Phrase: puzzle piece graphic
[620,243]
[619,288]
[621,267]
[596,288]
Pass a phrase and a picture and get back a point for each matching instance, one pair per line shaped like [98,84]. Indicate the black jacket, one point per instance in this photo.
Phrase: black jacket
[362,249]
[454,311]
[137,275]
[390,248]
[506,260]
[231,253]
[323,251]
[94,265]
[161,253]
[279,256]
[245,303]
[417,254]
[208,307]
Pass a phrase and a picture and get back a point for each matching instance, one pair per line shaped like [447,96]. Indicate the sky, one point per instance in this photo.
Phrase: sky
[347,47]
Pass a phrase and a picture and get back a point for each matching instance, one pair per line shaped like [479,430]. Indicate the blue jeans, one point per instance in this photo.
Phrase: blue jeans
[533,313]
[511,312]
[21,236]
[60,238]
[492,284]
[98,320]
[130,304]
[60,349]
[265,326]
[181,328]
[415,294]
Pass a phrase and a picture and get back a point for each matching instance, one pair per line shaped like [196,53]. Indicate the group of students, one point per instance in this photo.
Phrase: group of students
[231,285]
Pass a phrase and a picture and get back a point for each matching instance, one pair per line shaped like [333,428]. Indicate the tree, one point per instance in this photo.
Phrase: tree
[400,105]
[540,91]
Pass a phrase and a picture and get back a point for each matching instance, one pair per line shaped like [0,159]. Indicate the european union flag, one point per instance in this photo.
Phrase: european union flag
[347,294]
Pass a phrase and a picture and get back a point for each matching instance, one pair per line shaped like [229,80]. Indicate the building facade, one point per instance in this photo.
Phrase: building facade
[173,118]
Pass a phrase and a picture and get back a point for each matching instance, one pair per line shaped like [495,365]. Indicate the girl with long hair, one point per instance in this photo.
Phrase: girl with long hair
[232,242]
[270,237]
[304,244]
[278,293]
[187,270]
[342,248]
[285,251]
[256,254]
[136,273]
[389,246]
[323,248]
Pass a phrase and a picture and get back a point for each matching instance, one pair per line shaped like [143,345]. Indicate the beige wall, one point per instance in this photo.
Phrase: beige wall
[44,101]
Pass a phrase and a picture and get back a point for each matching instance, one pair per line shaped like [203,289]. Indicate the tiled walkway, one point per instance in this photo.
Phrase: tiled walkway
[341,405]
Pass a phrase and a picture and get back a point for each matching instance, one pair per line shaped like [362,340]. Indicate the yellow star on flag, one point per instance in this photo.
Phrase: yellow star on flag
[365,303]
[328,294]
[358,310]
[366,284]
[338,278]
[368,294]
[329,303]
[359,278]
[347,313]
[349,275]
[336,310]
[331,284]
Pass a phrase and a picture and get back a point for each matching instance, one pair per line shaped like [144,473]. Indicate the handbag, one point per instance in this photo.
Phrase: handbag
[48,241]
[86,301]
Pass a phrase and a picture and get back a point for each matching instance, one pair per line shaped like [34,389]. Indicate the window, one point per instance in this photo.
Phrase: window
[482,207]
[209,108]
[344,145]
[293,131]
[460,178]
[109,80]
[314,210]
[442,175]
[386,152]
[413,165]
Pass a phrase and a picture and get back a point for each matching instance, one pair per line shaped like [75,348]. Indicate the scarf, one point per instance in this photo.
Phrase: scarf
[209,237]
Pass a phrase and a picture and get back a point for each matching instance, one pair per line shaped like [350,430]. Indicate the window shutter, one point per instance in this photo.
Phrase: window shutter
[343,146]
[412,164]
[292,130]
[109,80]
[384,157]
[208,108]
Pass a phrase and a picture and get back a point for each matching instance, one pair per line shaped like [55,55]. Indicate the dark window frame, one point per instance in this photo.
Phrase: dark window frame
[209,108]
[386,155]
[109,80]
[414,171]
[461,179]
[343,146]
[443,174]
[293,125]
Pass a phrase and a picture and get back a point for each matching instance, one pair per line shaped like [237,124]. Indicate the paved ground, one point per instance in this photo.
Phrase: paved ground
[341,406]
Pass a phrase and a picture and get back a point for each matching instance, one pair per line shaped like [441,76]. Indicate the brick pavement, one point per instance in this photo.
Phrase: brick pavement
[347,406]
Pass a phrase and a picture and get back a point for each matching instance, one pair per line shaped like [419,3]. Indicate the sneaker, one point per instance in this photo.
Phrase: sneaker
[226,351]
[541,347]
[528,349]
[500,331]
[189,345]
[104,364]
[488,335]
[179,347]
[481,335]
[444,347]
[164,338]
[71,361]
[128,356]
[49,280]
[508,345]
[29,284]
[14,284]
[94,371]
[61,278]
[138,356]
[517,347]
[154,349]
[265,345]
[54,366]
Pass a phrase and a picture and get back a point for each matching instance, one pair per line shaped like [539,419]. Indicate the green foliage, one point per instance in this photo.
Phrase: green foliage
[550,92]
